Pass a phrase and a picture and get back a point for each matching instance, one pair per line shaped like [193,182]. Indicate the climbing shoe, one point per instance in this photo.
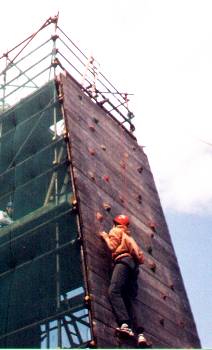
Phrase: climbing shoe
[125,330]
[142,340]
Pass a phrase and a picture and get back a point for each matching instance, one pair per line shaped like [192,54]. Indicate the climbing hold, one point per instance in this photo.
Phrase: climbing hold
[80,97]
[106,178]
[162,321]
[140,169]
[134,148]
[171,286]
[95,120]
[121,198]
[152,225]
[149,249]
[103,147]
[107,206]
[123,164]
[139,199]
[152,266]
[152,235]
[92,152]
[92,128]
[181,323]
[163,296]
[91,175]
[99,217]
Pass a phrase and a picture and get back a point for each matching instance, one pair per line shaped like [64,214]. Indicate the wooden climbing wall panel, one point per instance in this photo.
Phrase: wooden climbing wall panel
[112,176]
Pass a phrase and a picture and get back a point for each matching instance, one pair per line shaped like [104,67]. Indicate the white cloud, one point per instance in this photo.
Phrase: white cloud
[183,174]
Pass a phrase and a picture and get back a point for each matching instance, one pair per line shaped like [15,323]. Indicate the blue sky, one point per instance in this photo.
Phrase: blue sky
[161,51]
[192,242]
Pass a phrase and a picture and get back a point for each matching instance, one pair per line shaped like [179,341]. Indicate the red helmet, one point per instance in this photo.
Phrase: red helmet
[121,220]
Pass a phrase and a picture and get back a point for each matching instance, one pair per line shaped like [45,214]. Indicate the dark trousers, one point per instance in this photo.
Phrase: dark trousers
[123,291]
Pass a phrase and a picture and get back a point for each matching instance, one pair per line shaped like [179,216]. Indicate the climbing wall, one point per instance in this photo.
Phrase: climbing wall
[112,176]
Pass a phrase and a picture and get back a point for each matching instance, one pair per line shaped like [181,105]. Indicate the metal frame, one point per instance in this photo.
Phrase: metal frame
[42,56]
[71,335]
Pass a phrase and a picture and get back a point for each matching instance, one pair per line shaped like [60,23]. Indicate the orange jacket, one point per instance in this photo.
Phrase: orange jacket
[121,244]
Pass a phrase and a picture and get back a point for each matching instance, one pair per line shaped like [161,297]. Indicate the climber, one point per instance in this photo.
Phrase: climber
[6,216]
[127,257]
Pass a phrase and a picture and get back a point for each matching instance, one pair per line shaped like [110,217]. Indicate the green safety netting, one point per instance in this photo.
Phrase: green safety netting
[41,282]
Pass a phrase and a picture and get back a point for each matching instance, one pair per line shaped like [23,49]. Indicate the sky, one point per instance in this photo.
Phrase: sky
[161,52]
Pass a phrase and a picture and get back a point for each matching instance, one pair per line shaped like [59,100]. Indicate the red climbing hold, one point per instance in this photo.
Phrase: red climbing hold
[106,178]
[99,217]
[92,152]
[91,127]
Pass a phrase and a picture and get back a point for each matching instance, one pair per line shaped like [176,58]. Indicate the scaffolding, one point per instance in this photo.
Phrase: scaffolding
[46,53]
[41,260]
[49,311]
